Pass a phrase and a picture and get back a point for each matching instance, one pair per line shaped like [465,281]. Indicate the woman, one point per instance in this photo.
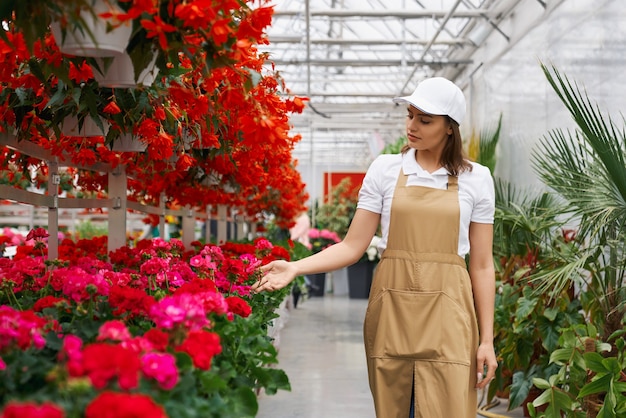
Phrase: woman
[429,324]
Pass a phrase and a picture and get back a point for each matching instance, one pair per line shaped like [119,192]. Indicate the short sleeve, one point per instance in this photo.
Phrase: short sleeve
[485,202]
[371,192]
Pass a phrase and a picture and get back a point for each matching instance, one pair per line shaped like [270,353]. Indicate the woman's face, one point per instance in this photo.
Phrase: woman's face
[427,132]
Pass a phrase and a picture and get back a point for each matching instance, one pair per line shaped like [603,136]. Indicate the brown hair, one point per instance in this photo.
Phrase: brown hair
[453,157]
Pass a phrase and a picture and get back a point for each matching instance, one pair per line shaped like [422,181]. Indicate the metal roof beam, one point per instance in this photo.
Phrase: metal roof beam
[379,14]
[320,41]
[370,62]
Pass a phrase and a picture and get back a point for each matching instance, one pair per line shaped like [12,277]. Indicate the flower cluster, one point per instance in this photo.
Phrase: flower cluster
[372,254]
[122,332]
[214,103]
[321,239]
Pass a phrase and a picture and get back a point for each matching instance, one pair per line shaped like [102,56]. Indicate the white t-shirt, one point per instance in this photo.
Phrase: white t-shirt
[476,192]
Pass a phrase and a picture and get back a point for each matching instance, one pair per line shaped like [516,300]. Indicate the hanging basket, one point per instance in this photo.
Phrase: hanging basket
[128,143]
[121,74]
[93,40]
[71,127]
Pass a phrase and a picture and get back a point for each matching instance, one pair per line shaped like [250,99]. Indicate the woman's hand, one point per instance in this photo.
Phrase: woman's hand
[276,275]
[486,359]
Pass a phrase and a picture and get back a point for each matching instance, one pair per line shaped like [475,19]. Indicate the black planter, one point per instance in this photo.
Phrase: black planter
[360,279]
[317,285]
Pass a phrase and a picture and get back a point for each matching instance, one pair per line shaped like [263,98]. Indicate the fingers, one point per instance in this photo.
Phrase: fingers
[483,379]
[267,267]
[263,284]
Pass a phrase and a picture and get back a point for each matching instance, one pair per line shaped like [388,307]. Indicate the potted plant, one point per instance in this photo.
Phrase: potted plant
[585,168]
[527,322]
[320,239]
[336,214]
[361,273]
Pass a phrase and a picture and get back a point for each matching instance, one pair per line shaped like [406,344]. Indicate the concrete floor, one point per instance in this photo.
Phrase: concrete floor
[321,350]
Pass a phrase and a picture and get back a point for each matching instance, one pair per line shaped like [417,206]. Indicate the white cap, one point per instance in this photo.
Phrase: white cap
[437,96]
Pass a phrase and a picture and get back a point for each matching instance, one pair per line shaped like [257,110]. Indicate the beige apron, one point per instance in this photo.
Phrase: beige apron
[420,328]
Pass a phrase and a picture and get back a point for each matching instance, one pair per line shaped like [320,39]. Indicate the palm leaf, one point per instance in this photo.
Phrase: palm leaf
[587,168]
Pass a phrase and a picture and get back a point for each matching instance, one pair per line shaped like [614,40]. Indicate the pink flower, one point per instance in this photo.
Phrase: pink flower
[213,302]
[161,367]
[250,263]
[114,331]
[154,265]
[72,353]
[139,345]
[329,235]
[79,285]
[179,310]
[263,244]
[21,328]
[202,262]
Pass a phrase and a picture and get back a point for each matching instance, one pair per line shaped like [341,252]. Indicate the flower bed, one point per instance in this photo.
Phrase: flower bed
[156,330]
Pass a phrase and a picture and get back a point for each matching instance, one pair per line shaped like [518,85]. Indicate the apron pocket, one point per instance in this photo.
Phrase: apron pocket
[418,325]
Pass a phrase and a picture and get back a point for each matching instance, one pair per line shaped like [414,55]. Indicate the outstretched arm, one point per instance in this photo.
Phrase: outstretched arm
[279,274]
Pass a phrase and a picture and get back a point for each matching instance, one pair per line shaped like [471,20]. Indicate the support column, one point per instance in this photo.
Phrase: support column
[162,200]
[238,217]
[117,211]
[53,211]
[253,227]
[207,225]
[222,224]
[189,227]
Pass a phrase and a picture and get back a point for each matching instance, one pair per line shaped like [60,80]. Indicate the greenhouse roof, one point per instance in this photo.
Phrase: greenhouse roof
[351,57]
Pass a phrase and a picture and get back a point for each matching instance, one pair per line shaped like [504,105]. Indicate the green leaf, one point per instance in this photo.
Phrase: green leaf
[244,403]
[549,332]
[183,361]
[600,385]
[277,380]
[551,313]
[211,382]
[541,383]
[595,362]
[525,306]
[561,355]
[520,387]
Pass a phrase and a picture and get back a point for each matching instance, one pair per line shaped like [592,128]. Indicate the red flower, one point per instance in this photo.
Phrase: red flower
[37,234]
[31,410]
[82,74]
[122,405]
[130,301]
[238,306]
[102,362]
[196,15]
[157,28]
[201,347]
[48,302]
[112,108]
[157,338]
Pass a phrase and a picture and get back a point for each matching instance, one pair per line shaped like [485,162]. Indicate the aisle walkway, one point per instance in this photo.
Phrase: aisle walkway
[321,350]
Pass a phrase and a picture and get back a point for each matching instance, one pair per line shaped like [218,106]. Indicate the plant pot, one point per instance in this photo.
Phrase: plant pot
[128,143]
[93,39]
[317,286]
[120,73]
[71,127]
[360,277]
